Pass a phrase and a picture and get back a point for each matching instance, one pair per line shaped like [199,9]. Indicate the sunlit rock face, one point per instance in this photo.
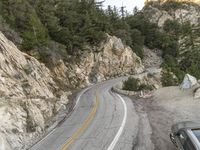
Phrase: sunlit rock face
[111,59]
[27,97]
[185,12]
[163,1]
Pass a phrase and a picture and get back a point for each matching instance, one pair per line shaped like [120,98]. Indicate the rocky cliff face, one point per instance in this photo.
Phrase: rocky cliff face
[30,98]
[185,12]
[181,12]
[111,59]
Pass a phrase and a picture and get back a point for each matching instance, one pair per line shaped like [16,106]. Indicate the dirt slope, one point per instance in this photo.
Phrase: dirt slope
[167,106]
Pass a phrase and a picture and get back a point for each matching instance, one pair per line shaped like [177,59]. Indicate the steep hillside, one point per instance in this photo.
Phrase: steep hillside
[111,59]
[178,24]
[29,96]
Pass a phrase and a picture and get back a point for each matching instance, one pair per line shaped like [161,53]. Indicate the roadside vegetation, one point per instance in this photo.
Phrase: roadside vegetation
[72,23]
[76,24]
[179,43]
[180,57]
[132,84]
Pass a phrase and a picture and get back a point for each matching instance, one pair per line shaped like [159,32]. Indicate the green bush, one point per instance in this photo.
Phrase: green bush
[171,5]
[138,50]
[133,84]
[172,27]
[191,62]
[145,87]
[137,42]
[169,79]
[171,63]
[194,69]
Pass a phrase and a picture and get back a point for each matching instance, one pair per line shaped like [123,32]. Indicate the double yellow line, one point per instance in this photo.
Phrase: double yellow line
[84,126]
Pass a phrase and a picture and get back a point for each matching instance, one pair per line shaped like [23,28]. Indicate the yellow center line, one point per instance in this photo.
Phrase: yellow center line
[83,127]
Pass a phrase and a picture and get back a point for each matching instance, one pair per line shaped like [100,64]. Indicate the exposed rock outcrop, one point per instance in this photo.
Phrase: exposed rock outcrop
[152,77]
[163,1]
[111,59]
[152,58]
[27,101]
[185,12]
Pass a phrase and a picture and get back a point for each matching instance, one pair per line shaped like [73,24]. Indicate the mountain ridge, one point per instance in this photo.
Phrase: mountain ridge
[164,1]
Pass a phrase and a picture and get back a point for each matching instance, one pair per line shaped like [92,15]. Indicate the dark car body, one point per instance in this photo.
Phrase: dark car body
[186,135]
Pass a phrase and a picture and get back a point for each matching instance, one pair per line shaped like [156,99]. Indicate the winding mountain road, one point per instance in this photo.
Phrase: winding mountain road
[101,120]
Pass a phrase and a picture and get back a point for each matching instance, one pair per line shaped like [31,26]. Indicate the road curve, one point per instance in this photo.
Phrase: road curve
[101,120]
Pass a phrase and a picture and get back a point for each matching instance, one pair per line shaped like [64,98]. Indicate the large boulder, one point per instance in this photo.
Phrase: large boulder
[188,82]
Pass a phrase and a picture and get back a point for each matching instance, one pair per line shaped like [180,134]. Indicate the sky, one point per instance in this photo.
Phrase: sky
[130,4]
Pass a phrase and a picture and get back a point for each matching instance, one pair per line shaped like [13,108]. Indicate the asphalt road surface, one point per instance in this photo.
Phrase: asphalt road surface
[101,120]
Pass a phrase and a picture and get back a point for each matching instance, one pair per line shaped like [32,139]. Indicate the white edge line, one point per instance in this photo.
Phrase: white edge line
[46,136]
[117,136]
[77,101]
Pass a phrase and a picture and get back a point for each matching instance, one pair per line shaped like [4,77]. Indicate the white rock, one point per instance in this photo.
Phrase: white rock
[188,82]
